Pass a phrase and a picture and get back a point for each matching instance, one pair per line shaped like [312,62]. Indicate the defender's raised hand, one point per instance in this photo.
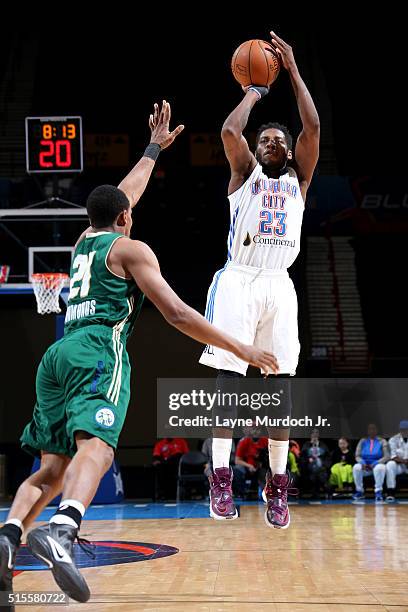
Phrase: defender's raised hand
[159,123]
[284,51]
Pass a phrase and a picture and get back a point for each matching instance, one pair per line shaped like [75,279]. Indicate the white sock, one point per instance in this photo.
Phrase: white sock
[221,452]
[61,519]
[15,522]
[278,455]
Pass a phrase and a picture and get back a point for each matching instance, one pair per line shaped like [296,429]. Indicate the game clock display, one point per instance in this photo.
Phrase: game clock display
[54,144]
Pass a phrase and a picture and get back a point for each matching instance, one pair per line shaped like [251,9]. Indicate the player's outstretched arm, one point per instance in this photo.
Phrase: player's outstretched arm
[307,146]
[140,262]
[240,158]
[136,181]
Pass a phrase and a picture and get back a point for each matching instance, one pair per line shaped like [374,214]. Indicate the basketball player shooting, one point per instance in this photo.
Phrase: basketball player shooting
[253,295]
[83,380]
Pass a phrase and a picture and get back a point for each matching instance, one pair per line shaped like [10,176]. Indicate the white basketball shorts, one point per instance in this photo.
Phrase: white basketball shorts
[256,306]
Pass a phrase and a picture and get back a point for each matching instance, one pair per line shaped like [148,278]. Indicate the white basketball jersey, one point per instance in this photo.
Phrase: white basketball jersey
[266,221]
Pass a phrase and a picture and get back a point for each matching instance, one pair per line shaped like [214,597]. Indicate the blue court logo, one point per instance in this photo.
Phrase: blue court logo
[105,417]
[107,552]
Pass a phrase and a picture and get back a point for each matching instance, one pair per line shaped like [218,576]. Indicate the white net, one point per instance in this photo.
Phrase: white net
[47,288]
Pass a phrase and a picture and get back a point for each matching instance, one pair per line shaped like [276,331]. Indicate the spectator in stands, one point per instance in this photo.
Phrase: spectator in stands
[206,449]
[295,449]
[341,471]
[315,462]
[398,445]
[251,459]
[166,457]
[292,464]
[371,455]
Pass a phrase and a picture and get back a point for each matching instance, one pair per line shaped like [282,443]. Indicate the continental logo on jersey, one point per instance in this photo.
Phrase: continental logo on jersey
[78,311]
[273,241]
[274,186]
[247,240]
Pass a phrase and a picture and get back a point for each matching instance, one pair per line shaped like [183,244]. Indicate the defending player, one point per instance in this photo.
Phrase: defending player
[83,381]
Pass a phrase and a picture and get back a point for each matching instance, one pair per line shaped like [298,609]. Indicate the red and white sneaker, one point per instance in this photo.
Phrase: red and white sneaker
[222,505]
[276,492]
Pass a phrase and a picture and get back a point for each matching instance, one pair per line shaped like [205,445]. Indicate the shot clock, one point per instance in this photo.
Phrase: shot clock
[54,144]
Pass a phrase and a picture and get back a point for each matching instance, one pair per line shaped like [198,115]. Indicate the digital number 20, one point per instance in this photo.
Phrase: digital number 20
[61,149]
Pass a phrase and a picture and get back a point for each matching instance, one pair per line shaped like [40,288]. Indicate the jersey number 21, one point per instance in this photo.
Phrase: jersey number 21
[82,263]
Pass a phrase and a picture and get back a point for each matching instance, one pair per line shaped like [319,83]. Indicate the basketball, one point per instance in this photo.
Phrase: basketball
[255,62]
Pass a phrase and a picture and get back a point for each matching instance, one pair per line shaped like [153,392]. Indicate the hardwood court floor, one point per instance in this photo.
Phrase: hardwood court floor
[332,559]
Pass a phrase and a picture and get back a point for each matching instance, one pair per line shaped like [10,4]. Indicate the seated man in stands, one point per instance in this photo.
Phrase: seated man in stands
[315,462]
[166,457]
[371,455]
[398,465]
[341,471]
[206,449]
[251,460]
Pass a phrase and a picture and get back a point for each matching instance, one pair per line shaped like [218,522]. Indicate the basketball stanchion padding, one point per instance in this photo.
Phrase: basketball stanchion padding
[47,288]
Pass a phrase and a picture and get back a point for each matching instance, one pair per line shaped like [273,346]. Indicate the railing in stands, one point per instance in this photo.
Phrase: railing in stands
[336,293]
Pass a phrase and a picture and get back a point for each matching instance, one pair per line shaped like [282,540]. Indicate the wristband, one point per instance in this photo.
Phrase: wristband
[261,91]
[152,150]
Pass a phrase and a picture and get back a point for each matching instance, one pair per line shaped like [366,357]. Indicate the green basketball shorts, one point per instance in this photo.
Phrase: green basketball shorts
[83,384]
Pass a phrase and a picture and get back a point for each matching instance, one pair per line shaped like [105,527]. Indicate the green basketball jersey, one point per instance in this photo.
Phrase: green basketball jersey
[97,296]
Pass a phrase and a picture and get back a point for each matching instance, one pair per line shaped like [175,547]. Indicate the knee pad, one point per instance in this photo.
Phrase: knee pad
[280,389]
[227,384]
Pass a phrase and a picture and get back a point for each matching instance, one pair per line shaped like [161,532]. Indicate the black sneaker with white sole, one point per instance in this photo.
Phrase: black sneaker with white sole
[8,553]
[54,545]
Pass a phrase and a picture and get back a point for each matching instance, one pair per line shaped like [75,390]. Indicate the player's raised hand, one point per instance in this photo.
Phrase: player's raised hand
[284,51]
[259,358]
[159,123]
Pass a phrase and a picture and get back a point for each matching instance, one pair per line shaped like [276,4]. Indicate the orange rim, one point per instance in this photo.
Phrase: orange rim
[49,279]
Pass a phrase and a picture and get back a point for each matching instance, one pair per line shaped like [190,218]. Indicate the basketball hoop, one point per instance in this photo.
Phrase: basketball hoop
[47,288]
